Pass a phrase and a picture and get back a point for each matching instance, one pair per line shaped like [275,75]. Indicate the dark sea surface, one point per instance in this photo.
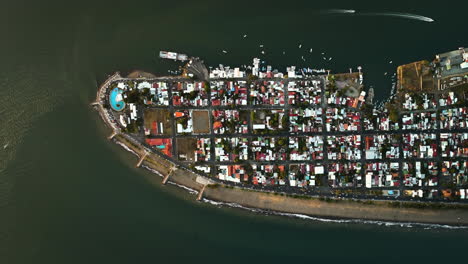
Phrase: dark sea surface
[68,195]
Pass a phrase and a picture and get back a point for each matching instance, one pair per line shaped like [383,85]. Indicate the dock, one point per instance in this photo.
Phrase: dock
[141,160]
[200,194]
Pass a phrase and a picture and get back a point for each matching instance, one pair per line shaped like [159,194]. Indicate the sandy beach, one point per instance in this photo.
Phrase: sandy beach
[349,209]
[343,209]
[379,210]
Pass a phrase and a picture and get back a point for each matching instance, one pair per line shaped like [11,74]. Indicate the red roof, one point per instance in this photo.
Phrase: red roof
[166,142]
[216,102]
[154,128]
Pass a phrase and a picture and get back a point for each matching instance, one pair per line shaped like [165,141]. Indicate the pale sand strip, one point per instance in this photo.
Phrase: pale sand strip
[380,210]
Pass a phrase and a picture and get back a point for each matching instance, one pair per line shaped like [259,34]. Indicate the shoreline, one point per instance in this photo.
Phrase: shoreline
[275,202]
[313,208]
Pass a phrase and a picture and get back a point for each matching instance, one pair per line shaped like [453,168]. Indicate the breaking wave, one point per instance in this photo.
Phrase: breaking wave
[328,220]
[301,216]
[153,171]
[126,148]
[190,190]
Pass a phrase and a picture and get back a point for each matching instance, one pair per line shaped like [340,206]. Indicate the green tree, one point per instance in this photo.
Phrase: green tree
[281,142]
[394,115]
[207,87]
[284,121]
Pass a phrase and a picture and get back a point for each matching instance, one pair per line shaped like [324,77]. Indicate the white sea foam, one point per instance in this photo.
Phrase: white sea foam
[190,190]
[153,171]
[301,216]
[327,220]
[125,147]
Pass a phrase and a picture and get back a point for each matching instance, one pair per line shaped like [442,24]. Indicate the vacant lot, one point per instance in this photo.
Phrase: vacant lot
[186,147]
[415,77]
[201,121]
[153,119]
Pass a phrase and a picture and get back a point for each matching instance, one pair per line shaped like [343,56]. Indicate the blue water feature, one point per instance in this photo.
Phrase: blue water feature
[117,106]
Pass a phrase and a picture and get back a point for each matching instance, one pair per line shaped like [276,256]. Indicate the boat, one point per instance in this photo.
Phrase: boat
[173,55]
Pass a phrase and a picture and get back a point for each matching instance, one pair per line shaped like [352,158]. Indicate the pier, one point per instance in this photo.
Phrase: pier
[164,181]
[200,194]
[141,159]
[112,136]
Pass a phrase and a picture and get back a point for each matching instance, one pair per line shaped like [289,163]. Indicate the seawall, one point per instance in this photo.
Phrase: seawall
[331,208]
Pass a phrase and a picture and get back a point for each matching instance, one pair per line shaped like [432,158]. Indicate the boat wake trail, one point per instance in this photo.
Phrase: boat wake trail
[388,14]
[401,15]
[339,11]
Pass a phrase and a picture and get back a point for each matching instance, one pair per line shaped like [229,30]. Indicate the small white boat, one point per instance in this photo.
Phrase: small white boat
[261,45]
[300,45]
[391,62]
[330,58]
[385,73]
[284,52]
[263,52]
[224,51]
[5,146]
[245,36]
[310,50]
[324,58]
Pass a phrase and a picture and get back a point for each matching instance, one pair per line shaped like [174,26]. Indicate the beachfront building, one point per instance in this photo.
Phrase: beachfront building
[420,173]
[268,174]
[304,175]
[347,174]
[232,173]
[382,174]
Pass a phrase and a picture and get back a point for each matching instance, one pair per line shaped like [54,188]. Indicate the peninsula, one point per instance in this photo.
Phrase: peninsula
[303,141]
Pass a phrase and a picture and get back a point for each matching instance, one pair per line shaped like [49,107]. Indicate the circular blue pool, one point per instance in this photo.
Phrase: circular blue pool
[117,105]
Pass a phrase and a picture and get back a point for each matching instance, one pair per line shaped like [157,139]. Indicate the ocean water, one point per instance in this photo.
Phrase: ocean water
[67,195]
